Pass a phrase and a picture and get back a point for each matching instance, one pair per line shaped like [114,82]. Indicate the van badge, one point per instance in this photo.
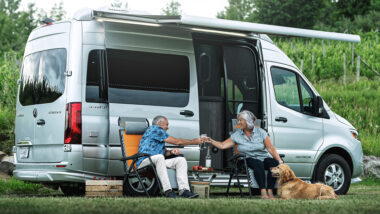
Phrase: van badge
[34,112]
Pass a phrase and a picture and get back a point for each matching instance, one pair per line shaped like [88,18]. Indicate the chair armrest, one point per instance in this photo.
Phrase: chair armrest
[237,156]
[135,156]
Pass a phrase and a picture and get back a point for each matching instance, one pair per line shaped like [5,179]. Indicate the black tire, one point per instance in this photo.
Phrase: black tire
[132,186]
[333,170]
[73,189]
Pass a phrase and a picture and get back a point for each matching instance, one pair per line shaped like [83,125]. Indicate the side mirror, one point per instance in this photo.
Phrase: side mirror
[317,106]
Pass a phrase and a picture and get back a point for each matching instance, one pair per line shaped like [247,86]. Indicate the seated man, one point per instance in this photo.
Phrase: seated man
[153,143]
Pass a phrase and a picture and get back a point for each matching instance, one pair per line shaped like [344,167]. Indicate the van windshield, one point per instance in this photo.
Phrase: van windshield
[43,77]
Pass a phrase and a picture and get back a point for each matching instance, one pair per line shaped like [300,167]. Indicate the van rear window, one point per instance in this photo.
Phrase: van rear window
[148,78]
[43,77]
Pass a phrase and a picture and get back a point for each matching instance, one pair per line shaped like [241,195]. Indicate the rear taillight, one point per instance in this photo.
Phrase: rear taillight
[73,132]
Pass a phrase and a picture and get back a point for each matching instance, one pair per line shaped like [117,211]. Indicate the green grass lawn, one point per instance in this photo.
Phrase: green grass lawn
[362,198]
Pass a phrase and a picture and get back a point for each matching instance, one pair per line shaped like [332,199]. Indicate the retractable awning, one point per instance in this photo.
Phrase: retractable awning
[214,24]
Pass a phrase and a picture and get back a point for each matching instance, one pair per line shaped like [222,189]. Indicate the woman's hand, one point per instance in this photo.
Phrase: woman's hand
[207,139]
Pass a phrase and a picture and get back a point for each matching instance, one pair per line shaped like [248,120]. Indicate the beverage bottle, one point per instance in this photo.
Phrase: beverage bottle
[208,158]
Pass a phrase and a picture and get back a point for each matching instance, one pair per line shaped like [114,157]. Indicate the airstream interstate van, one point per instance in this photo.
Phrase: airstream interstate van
[79,77]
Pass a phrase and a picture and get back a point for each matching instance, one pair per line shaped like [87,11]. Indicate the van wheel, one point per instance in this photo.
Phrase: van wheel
[73,189]
[133,187]
[334,171]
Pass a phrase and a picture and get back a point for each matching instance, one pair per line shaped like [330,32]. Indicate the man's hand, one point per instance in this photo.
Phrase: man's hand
[174,151]
[197,141]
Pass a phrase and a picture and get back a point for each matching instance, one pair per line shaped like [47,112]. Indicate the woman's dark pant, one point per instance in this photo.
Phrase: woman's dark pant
[259,168]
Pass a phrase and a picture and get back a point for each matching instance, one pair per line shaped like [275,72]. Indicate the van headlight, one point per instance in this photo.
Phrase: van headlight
[355,134]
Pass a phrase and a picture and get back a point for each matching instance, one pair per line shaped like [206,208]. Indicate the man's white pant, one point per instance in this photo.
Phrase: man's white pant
[178,163]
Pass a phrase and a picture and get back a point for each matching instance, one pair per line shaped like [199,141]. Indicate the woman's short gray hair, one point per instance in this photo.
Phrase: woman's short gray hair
[249,117]
[157,119]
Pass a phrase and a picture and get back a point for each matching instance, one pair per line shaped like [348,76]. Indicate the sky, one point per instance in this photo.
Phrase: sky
[205,8]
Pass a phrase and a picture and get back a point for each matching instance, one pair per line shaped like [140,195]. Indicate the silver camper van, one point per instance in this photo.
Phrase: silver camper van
[79,77]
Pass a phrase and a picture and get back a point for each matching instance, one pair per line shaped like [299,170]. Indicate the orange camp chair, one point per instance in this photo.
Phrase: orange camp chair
[137,181]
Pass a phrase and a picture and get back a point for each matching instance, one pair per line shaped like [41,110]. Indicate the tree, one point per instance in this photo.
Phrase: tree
[57,12]
[241,10]
[15,25]
[351,8]
[293,13]
[172,9]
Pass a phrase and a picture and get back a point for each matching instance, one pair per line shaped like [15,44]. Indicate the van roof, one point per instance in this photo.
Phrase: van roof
[211,25]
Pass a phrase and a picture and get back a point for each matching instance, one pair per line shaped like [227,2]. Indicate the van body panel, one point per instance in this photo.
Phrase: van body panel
[48,172]
[338,135]
[45,115]
[95,119]
[74,81]
[300,137]
[93,33]
[272,53]
[157,41]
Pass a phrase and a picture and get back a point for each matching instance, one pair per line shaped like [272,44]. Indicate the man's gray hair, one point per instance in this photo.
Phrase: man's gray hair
[249,117]
[157,119]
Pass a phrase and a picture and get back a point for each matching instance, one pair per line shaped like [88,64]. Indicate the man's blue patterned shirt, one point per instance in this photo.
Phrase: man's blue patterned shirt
[152,142]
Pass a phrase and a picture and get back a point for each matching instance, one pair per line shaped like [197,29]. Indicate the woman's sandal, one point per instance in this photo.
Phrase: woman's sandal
[264,195]
[270,195]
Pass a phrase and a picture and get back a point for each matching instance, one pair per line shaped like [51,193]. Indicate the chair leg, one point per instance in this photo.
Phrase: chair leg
[237,177]
[248,178]
[229,184]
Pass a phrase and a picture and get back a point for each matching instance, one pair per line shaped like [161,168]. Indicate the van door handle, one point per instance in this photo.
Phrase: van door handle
[40,122]
[281,119]
[187,113]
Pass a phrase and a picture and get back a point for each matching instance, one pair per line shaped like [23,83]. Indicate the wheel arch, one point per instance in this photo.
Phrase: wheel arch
[334,150]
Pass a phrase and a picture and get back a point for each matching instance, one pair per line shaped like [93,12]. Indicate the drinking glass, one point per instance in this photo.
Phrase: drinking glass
[203,143]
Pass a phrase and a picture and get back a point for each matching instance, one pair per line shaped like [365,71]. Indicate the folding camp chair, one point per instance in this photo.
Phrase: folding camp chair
[138,181]
[131,131]
[239,169]
[242,169]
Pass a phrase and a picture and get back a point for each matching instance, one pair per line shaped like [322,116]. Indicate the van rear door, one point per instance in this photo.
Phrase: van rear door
[151,71]
[41,104]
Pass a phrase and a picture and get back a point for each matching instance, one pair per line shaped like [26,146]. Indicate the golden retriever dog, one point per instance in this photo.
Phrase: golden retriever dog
[291,187]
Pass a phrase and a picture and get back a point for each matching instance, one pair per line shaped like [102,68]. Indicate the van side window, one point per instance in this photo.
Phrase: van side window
[148,78]
[43,77]
[285,88]
[292,91]
[96,90]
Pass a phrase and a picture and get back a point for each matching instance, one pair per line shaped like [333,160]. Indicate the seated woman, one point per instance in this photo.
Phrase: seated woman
[254,142]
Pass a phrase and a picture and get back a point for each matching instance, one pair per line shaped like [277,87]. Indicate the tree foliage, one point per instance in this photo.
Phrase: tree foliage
[241,10]
[331,15]
[173,8]
[57,13]
[293,13]
[15,25]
